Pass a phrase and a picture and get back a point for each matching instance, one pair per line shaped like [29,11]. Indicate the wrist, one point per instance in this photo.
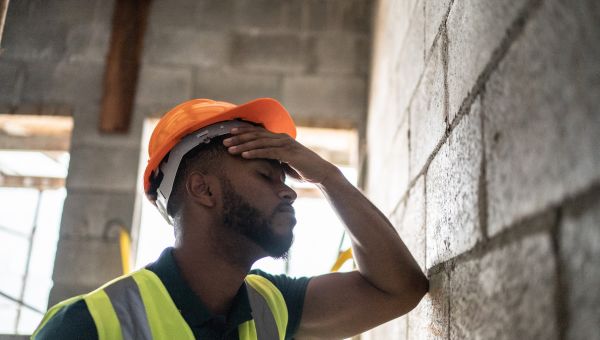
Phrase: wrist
[332,177]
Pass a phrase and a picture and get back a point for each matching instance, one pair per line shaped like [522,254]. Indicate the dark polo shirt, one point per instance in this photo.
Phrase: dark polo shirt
[75,322]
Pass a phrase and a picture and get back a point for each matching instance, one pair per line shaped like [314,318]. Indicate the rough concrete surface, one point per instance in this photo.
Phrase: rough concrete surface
[87,262]
[580,258]
[279,52]
[324,98]
[435,14]
[90,213]
[103,168]
[409,61]
[429,320]
[541,119]
[409,220]
[452,192]
[506,294]
[475,29]
[427,115]
[236,87]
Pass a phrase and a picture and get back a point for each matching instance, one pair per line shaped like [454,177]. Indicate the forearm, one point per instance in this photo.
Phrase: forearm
[381,256]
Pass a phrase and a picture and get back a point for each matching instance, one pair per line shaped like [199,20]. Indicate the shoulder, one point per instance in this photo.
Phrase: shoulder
[73,321]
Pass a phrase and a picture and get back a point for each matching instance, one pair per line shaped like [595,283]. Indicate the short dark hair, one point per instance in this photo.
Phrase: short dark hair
[204,157]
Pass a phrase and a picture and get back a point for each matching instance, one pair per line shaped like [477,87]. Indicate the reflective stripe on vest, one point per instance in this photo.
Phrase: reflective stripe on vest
[138,306]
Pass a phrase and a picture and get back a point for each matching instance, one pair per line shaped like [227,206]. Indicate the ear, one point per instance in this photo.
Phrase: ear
[200,188]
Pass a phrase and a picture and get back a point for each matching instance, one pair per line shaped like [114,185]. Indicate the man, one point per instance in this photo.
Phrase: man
[217,174]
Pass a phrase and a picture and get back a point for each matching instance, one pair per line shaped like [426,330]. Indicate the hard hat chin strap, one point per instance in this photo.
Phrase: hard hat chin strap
[169,167]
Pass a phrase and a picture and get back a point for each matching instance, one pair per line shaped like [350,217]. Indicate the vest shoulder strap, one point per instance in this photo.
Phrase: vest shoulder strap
[268,308]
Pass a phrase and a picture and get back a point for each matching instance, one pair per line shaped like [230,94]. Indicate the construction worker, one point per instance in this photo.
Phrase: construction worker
[216,172]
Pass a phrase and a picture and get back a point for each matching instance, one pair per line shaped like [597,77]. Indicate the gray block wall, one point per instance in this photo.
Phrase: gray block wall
[484,123]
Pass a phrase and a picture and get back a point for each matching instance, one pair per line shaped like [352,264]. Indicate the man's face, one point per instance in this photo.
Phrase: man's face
[261,228]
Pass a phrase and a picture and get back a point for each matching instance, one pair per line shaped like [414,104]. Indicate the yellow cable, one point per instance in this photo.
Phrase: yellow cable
[125,243]
[342,258]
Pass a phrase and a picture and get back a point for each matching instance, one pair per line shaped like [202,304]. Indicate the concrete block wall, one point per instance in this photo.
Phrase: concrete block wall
[312,55]
[484,151]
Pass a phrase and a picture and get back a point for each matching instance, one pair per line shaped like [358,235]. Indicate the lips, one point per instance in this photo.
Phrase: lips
[286,208]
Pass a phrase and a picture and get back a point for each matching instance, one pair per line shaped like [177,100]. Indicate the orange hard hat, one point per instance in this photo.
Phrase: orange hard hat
[195,114]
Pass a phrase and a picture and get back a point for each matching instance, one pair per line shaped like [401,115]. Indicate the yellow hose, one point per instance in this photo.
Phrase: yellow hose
[125,243]
[342,258]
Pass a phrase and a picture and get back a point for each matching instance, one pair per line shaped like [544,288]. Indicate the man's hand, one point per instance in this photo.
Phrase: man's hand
[256,142]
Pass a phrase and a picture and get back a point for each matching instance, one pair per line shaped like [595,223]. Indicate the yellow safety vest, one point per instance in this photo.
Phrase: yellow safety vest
[138,306]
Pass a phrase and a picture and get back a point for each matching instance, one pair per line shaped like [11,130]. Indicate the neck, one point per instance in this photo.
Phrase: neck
[213,269]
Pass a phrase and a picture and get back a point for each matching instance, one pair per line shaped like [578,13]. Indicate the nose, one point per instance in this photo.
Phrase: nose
[288,194]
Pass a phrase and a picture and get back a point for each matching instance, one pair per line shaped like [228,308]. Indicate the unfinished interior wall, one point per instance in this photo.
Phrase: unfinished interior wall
[310,54]
[484,150]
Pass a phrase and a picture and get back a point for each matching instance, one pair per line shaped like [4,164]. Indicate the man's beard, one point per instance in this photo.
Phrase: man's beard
[240,216]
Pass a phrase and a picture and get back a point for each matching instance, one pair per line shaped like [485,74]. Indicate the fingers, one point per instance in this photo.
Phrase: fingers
[260,143]
[249,138]
[268,153]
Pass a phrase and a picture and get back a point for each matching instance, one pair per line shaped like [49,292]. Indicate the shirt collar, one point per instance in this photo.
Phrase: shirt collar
[193,310]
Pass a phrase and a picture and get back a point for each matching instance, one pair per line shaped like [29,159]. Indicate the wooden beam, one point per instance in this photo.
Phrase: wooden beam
[28,132]
[40,183]
[122,65]
[3,10]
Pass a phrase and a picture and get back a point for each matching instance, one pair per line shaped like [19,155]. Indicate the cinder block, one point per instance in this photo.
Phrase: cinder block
[541,115]
[163,85]
[86,132]
[453,188]
[103,168]
[339,54]
[25,38]
[172,14]
[260,14]
[409,220]
[427,113]
[68,83]
[509,293]
[86,262]
[395,167]
[429,320]
[215,15]
[89,214]
[184,46]
[235,87]
[435,13]
[580,260]
[388,155]
[326,101]
[12,81]
[339,15]
[410,58]
[284,53]
[205,15]
[88,42]
[475,29]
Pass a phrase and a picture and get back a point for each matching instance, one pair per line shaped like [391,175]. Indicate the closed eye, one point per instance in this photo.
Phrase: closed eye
[265,176]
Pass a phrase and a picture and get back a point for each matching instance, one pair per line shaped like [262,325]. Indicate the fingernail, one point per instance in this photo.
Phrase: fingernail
[227,141]
[234,130]
[233,148]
